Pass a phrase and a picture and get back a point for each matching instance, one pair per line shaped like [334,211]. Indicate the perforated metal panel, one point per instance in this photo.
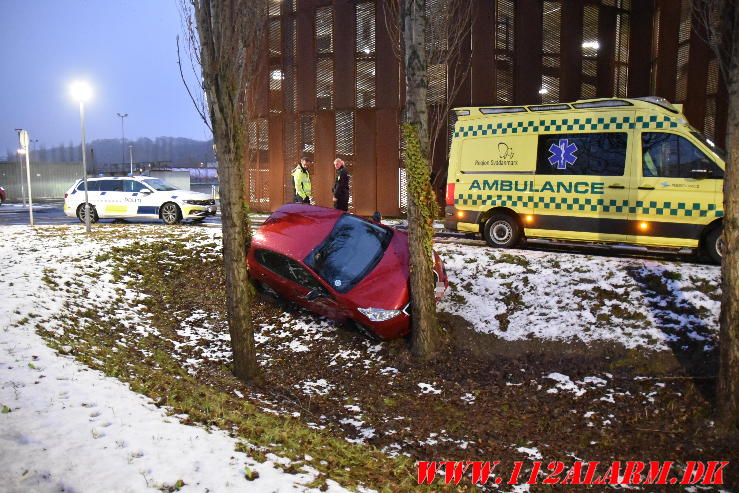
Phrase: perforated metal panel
[307,133]
[504,23]
[436,25]
[275,8]
[291,153]
[365,88]
[591,44]
[344,134]
[275,87]
[655,52]
[711,90]
[621,66]
[683,50]
[437,84]
[365,29]
[275,37]
[324,30]
[402,191]
[552,20]
[324,83]
[289,84]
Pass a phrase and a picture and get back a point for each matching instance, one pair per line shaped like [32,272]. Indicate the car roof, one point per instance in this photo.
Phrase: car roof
[296,229]
[96,178]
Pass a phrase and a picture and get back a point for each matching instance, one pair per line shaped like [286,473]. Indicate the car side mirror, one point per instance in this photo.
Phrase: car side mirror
[316,293]
[699,173]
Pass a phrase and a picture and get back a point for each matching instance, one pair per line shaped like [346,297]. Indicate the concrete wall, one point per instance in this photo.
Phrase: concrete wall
[48,180]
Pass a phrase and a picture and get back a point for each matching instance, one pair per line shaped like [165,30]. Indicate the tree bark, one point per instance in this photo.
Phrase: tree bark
[227,31]
[426,335]
[728,385]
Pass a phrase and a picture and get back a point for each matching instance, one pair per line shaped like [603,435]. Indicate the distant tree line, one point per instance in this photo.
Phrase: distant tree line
[178,151]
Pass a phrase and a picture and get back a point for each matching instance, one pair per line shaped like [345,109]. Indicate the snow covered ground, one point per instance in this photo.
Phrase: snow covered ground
[64,427]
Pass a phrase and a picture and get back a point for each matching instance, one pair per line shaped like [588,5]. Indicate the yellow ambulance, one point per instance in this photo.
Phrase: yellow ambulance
[626,171]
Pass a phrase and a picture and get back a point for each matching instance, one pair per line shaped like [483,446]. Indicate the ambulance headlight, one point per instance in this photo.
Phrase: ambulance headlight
[378,314]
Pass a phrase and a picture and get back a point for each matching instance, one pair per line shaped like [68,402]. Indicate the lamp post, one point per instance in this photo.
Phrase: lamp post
[130,155]
[25,150]
[123,137]
[81,92]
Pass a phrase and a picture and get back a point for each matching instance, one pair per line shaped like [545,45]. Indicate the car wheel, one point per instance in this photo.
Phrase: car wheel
[170,213]
[367,333]
[81,213]
[713,245]
[501,231]
[265,289]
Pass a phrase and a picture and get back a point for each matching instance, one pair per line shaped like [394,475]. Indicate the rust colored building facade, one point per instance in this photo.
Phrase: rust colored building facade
[332,83]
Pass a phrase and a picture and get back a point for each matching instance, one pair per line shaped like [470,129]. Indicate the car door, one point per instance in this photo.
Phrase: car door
[135,196]
[677,191]
[110,199]
[582,186]
[295,282]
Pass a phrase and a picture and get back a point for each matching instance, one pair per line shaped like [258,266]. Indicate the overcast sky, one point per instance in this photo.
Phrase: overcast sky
[125,49]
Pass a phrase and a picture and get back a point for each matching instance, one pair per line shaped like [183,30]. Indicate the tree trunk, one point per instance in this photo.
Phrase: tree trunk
[728,385]
[224,35]
[427,337]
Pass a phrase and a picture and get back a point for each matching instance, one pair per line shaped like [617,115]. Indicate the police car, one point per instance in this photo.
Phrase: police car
[630,171]
[139,197]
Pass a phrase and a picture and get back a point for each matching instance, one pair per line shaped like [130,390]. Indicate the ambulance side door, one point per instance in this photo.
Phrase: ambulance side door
[677,191]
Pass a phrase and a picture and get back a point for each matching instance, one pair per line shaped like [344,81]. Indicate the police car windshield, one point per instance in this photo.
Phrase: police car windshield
[709,143]
[349,253]
[160,186]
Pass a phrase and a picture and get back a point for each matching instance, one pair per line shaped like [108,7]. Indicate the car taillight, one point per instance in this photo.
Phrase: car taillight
[450,194]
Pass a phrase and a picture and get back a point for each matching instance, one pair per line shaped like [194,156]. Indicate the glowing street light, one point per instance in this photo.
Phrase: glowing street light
[82,92]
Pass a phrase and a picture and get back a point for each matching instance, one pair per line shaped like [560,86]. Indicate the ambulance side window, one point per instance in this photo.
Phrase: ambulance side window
[671,156]
[597,154]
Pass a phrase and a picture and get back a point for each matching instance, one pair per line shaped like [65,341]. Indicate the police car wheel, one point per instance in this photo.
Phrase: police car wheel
[501,230]
[170,213]
[81,213]
[714,244]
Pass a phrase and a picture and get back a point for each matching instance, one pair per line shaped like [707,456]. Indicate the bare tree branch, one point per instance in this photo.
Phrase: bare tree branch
[198,108]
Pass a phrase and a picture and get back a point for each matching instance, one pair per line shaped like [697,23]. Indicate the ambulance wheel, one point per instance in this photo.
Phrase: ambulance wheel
[81,213]
[713,244]
[170,213]
[502,231]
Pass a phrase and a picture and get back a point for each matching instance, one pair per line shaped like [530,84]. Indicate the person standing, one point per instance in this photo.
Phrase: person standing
[301,180]
[341,186]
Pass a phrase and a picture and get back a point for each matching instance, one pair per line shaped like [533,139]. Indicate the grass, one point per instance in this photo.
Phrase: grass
[149,366]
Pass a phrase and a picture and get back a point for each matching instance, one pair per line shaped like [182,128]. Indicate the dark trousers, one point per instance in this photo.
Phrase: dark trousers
[298,199]
[342,203]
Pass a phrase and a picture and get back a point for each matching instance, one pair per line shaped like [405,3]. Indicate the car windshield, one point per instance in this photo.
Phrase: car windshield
[349,253]
[709,143]
[160,186]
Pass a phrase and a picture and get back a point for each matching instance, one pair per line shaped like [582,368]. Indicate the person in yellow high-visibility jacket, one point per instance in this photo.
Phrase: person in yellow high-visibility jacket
[301,179]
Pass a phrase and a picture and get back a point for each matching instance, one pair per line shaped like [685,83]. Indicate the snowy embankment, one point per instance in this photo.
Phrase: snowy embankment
[522,295]
[64,427]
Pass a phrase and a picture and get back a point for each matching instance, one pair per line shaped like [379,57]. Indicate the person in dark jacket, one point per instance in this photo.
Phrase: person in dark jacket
[341,186]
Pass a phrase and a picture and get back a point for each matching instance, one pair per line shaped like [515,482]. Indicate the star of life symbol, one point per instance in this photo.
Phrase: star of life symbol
[562,154]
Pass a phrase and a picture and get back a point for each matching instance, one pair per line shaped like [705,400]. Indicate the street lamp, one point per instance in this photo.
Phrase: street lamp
[82,92]
[130,155]
[123,137]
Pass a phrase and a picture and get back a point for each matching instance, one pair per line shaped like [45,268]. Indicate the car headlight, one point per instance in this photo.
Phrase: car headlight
[192,202]
[378,314]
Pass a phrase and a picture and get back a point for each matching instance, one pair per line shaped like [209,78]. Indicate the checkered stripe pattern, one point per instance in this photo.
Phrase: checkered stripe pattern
[590,205]
[565,125]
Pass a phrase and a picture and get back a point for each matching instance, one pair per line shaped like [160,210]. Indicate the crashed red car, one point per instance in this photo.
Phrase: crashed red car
[338,265]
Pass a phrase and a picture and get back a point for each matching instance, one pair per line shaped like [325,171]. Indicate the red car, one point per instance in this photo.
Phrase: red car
[338,265]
